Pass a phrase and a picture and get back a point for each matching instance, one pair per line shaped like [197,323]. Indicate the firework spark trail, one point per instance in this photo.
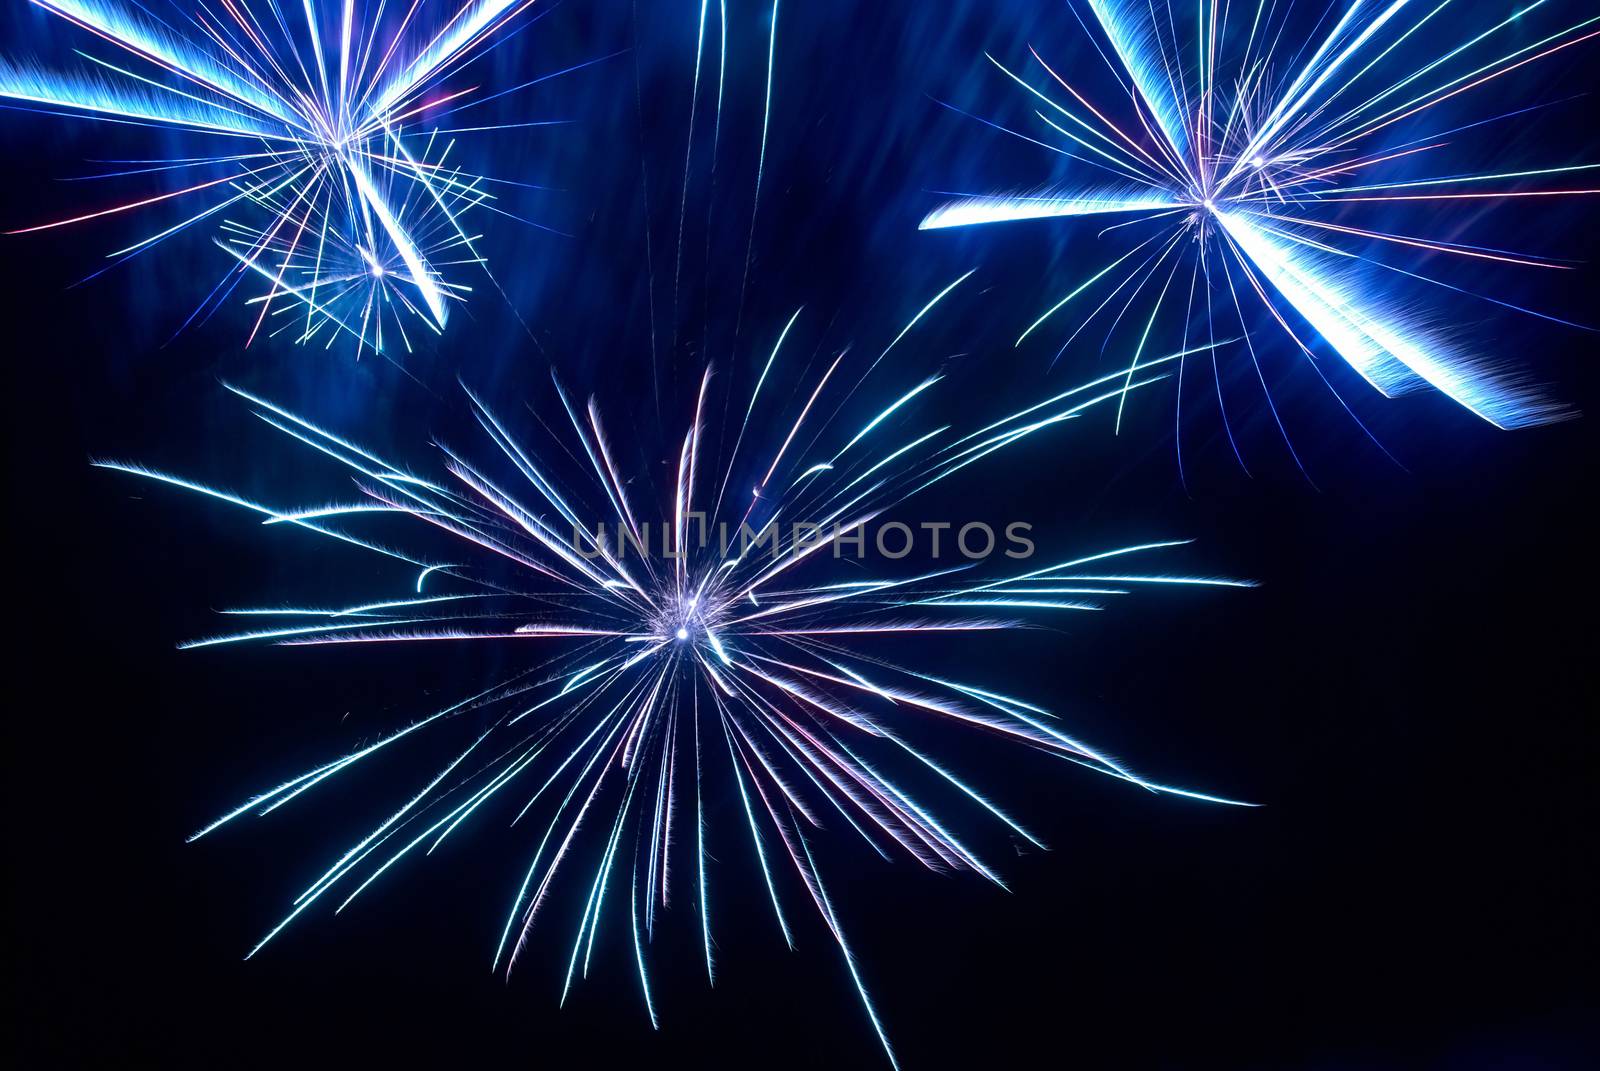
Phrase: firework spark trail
[346,202]
[1246,133]
[735,650]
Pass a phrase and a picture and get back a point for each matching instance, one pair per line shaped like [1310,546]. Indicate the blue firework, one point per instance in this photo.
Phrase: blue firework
[700,626]
[321,144]
[1241,155]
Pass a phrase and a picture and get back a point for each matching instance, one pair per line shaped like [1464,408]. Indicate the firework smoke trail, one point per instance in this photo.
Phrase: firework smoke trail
[341,190]
[732,657]
[1260,142]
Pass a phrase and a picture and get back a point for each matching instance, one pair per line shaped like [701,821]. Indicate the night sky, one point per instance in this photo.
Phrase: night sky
[1410,693]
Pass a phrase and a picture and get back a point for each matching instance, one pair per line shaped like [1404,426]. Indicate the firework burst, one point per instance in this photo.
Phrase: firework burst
[1252,138]
[701,635]
[323,143]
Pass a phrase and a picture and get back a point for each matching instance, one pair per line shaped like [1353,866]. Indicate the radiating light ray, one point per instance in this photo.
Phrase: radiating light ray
[761,161]
[353,212]
[760,665]
[1247,127]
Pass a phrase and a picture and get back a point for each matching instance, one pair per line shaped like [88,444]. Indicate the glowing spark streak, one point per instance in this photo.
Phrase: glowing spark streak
[940,296]
[421,274]
[755,833]
[130,205]
[1370,345]
[974,211]
[849,958]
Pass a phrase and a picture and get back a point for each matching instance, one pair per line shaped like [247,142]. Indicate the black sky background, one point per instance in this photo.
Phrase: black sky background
[1410,693]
